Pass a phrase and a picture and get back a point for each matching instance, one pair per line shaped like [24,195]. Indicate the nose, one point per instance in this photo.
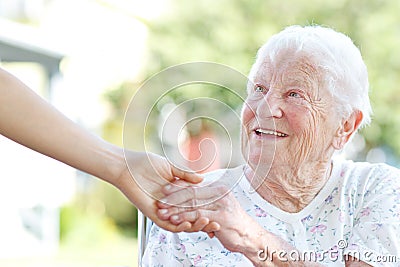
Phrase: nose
[270,106]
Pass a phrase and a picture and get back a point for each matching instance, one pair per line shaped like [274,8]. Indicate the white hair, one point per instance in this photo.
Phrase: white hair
[345,72]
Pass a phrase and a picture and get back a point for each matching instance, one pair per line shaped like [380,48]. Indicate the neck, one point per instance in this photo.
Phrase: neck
[291,189]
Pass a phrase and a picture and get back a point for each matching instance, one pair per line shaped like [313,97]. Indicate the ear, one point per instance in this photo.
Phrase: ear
[347,128]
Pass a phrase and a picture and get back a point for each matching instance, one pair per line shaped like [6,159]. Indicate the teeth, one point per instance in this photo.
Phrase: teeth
[270,132]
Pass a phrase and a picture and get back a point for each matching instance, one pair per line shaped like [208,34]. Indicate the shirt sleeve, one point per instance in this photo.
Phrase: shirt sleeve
[375,237]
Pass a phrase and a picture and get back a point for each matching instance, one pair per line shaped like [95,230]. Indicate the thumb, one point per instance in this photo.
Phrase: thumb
[190,177]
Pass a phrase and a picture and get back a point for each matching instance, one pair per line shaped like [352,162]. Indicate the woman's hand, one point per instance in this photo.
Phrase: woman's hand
[142,179]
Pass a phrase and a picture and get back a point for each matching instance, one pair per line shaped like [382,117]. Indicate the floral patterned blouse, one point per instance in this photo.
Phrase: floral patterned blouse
[357,213]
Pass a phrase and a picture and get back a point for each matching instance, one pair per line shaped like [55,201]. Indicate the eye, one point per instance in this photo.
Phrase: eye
[259,89]
[294,94]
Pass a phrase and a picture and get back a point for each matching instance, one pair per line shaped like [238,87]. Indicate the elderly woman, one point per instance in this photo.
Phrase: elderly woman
[307,96]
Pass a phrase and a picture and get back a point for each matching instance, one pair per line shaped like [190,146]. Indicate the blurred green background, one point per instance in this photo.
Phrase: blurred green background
[98,225]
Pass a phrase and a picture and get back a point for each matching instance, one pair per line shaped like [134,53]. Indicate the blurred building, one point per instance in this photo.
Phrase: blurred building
[32,186]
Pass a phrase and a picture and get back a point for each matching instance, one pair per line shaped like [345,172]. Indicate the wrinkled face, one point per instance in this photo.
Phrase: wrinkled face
[289,117]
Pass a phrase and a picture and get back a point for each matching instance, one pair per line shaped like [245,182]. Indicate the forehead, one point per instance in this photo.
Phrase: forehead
[289,68]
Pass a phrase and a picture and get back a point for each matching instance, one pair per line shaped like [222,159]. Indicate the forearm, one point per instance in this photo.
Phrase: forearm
[29,120]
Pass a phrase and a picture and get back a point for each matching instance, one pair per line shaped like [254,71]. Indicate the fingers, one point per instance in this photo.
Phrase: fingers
[165,212]
[175,186]
[194,216]
[201,224]
[191,196]
[186,176]
[184,227]
[167,225]
[189,206]
[204,224]
[192,221]
[212,227]
[178,215]
[190,216]
[211,234]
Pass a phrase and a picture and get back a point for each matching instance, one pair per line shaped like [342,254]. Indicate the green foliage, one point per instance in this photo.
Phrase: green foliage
[118,207]
[119,97]
[97,215]
[81,223]
[230,32]
[85,232]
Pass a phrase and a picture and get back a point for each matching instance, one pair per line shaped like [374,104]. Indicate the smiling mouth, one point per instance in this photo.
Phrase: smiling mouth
[261,132]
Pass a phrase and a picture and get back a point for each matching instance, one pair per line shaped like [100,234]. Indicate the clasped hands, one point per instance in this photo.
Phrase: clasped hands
[211,208]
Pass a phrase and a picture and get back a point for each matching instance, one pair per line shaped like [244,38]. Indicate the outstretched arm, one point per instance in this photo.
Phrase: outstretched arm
[29,120]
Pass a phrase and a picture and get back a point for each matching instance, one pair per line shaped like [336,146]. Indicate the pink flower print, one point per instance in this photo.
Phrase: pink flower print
[260,212]
[320,228]
[318,255]
[162,239]
[197,260]
[365,211]
[182,247]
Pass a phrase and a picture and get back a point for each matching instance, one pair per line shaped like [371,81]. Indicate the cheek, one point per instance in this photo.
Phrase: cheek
[248,151]
[247,114]
[304,126]
[311,130]
[302,122]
